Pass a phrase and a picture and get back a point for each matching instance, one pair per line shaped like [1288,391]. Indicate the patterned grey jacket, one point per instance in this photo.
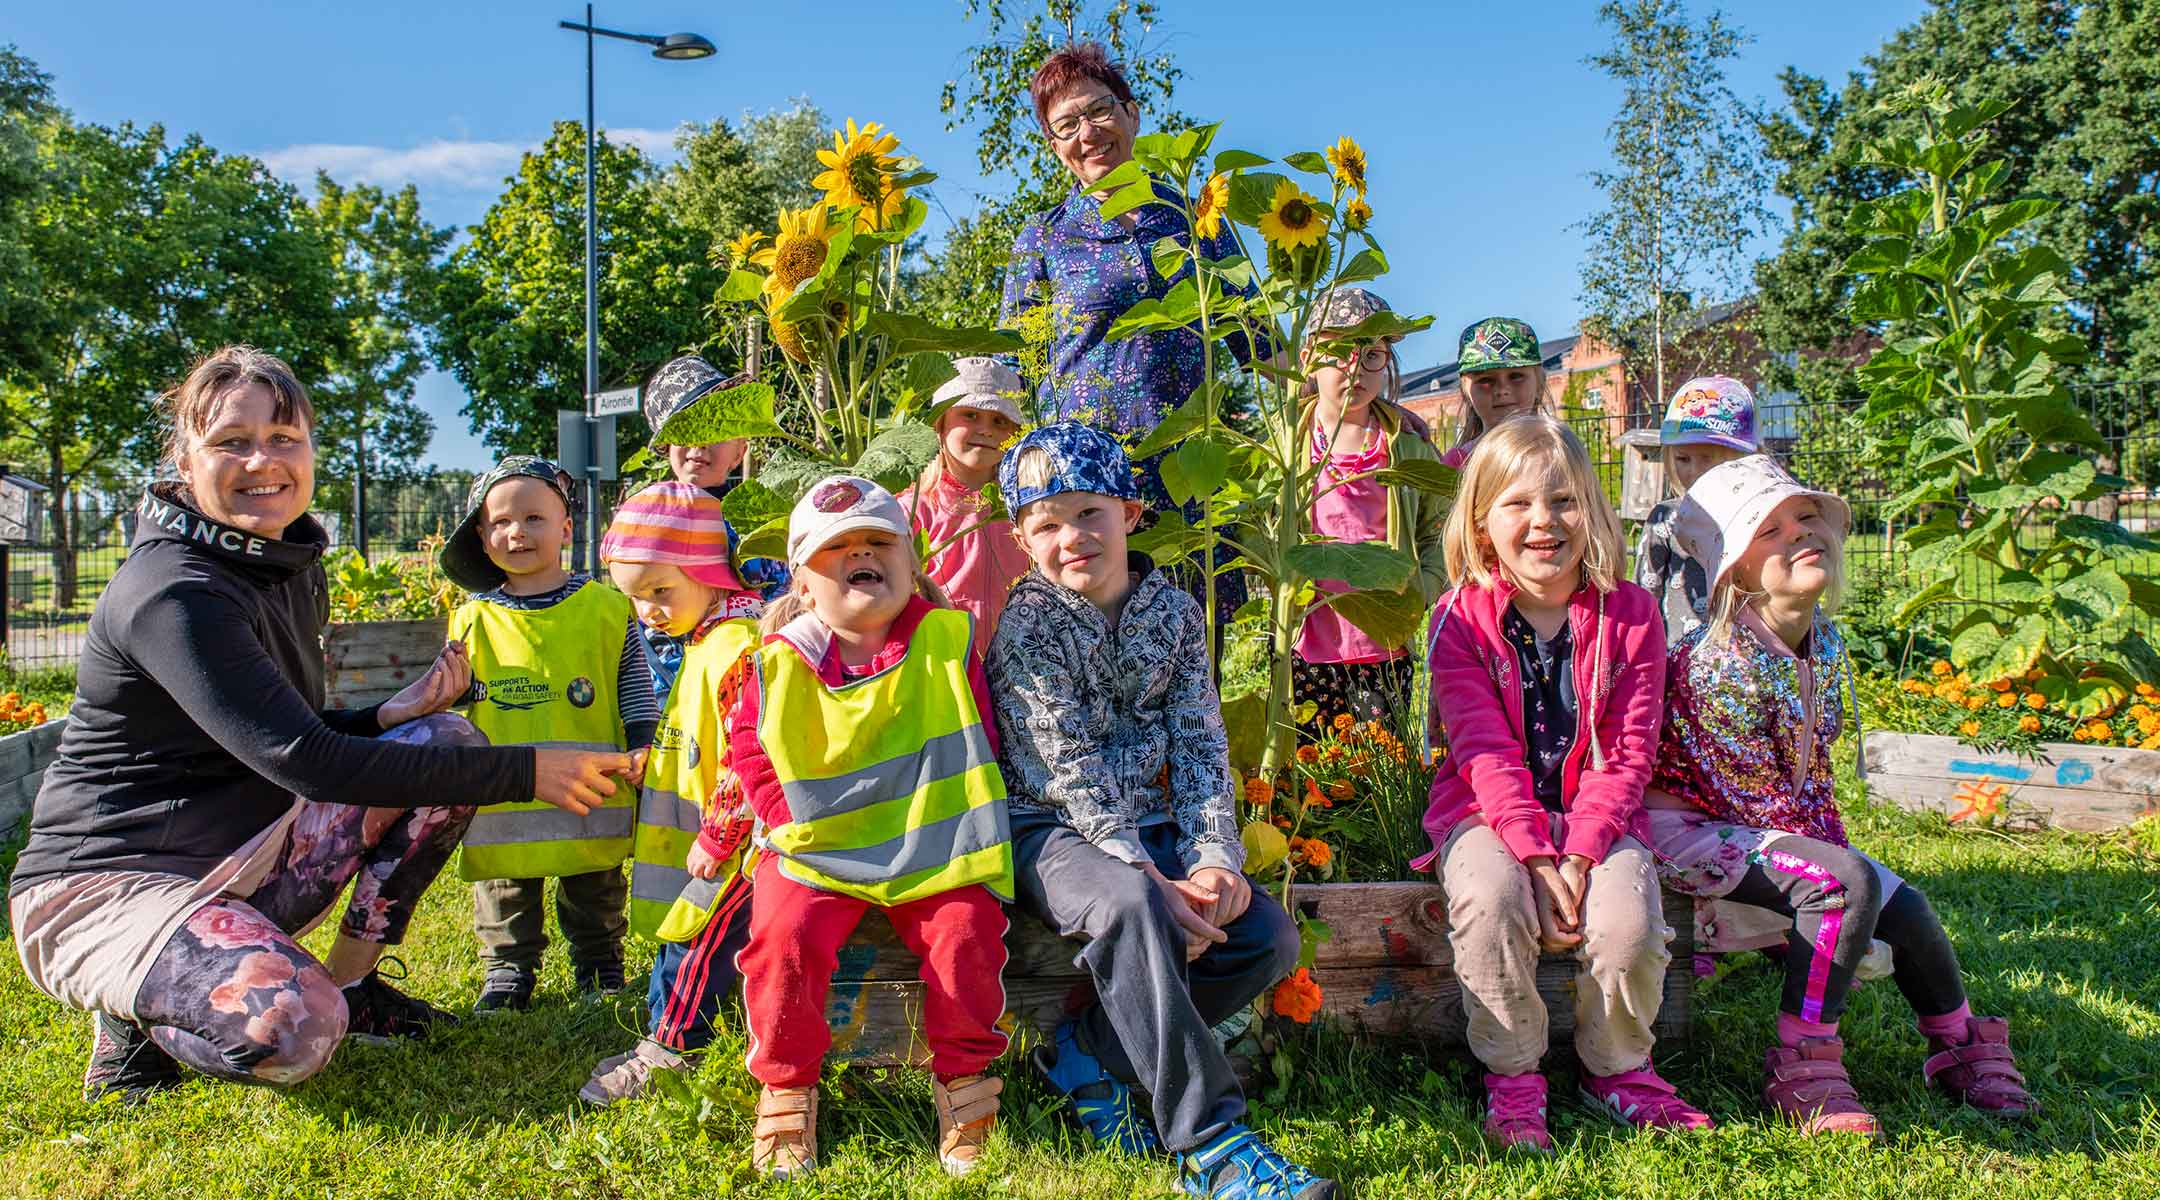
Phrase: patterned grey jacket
[1094,722]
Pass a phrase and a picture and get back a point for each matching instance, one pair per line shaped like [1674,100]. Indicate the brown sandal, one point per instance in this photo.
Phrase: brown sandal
[784,1141]
[967,1110]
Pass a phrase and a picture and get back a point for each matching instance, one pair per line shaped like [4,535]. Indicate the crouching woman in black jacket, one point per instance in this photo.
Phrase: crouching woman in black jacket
[204,810]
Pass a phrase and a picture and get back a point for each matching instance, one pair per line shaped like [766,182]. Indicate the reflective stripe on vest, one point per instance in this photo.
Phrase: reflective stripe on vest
[893,793]
[549,676]
[681,775]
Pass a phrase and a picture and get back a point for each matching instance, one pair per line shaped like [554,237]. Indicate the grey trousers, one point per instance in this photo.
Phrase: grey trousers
[510,918]
[1152,1023]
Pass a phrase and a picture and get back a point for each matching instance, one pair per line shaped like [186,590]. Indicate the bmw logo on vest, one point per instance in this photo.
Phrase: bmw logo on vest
[580,692]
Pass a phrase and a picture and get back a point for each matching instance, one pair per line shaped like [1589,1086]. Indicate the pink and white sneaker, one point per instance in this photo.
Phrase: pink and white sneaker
[1515,1112]
[1640,1099]
[1976,1069]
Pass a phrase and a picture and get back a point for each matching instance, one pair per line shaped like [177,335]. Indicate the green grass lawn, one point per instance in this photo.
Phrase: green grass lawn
[2061,933]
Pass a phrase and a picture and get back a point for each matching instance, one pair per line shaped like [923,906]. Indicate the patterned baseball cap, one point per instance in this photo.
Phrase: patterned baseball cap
[1082,459]
[464,556]
[841,504]
[680,382]
[1498,342]
[1344,308]
[983,383]
[1711,410]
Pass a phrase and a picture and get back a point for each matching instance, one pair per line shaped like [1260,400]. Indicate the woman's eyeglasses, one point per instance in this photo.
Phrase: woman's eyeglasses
[1099,114]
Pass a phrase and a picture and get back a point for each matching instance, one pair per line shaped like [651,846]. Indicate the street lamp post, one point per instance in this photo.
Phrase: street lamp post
[673,46]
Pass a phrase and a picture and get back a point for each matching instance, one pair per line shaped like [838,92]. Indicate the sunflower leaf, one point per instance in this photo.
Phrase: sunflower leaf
[1252,194]
[1363,565]
[1133,195]
[1168,257]
[1365,264]
[1307,160]
[741,285]
[1233,160]
[1388,617]
[896,457]
[1175,309]
[1425,474]
[752,503]
[910,334]
[745,410]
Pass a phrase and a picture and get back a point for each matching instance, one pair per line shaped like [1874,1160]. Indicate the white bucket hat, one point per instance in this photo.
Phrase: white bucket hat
[1720,515]
[983,383]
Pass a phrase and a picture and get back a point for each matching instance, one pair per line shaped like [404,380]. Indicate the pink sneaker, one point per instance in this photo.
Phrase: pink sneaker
[1515,1112]
[1642,1100]
[1809,1085]
[1977,1070]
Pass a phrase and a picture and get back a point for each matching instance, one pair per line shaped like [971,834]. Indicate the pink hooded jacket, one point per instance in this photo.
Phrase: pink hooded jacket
[1619,665]
[980,560]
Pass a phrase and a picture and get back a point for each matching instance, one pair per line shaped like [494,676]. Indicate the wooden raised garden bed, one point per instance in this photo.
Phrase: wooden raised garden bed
[1386,972]
[2083,788]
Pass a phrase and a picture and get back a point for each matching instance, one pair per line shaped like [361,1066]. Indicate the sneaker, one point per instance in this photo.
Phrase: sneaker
[1641,1100]
[783,1143]
[1105,1107]
[628,1076]
[1515,1112]
[1237,1165]
[967,1110]
[1808,1083]
[598,981]
[124,1062]
[378,1013]
[1976,1069]
[505,989]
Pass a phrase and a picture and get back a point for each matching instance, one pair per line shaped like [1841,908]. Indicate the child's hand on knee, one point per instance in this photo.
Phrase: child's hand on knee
[1575,869]
[1557,906]
[1180,899]
[1232,895]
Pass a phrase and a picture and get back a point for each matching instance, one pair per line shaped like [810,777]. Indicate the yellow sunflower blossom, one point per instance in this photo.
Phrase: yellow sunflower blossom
[1214,201]
[798,249]
[1291,222]
[1357,214]
[1348,160]
[742,246]
[859,171]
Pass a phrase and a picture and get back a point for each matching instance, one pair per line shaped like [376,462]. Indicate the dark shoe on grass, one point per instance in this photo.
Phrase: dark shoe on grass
[379,1014]
[124,1062]
[598,981]
[505,990]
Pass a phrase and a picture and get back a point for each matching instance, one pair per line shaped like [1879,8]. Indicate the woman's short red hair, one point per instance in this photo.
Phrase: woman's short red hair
[1077,63]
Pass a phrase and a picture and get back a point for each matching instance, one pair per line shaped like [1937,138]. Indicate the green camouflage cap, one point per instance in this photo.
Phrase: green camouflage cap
[464,556]
[1498,342]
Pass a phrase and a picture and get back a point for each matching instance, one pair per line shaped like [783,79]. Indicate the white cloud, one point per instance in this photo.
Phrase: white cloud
[437,163]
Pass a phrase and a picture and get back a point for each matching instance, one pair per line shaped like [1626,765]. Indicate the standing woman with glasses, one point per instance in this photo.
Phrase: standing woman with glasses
[1089,270]
[1354,428]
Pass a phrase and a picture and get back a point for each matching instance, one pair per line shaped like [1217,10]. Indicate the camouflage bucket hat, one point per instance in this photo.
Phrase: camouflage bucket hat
[1344,308]
[464,557]
[1498,342]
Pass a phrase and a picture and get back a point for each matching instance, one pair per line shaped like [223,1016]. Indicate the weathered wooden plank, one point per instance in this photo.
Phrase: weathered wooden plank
[368,661]
[2086,788]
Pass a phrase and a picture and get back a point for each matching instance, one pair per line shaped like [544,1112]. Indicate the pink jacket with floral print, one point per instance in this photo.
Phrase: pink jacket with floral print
[1619,665]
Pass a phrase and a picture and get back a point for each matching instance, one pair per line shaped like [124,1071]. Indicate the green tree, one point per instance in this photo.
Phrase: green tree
[731,179]
[25,105]
[962,280]
[510,311]
[2083,83]
[1686,194]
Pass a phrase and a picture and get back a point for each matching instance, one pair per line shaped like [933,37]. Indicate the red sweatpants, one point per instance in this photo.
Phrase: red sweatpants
[795,937]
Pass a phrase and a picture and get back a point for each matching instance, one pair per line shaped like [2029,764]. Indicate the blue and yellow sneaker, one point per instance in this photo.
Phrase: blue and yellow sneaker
[1105,1107]
[1237,1165]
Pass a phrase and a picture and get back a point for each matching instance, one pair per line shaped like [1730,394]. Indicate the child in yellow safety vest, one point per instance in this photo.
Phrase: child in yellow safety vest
[865,749]
[668,550]
[556,662]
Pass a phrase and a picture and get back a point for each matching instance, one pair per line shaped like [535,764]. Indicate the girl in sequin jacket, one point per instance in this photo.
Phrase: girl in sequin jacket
[1743,809]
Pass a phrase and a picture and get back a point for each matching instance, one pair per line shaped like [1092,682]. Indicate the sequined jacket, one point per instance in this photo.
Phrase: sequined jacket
[1749,726]
[1619,669]
[1110,728]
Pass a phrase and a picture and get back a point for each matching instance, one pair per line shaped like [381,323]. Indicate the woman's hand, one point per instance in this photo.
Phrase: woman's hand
[700,863]
[578,781]
[1558,906]
[442,685]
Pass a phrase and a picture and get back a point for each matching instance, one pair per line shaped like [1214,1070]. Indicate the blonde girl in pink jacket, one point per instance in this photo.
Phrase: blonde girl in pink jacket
[1548,679]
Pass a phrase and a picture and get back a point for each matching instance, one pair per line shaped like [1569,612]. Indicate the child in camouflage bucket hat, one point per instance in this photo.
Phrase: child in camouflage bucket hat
[1501,372]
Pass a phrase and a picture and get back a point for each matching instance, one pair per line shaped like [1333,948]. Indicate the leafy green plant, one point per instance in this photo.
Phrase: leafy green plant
[1967,403]
[402,587]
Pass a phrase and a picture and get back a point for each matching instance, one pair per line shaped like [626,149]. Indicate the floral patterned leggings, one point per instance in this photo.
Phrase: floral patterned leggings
[233,996]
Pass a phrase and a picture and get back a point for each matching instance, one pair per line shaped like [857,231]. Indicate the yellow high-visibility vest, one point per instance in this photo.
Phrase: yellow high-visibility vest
[682,775]
[549,678]
[892,791]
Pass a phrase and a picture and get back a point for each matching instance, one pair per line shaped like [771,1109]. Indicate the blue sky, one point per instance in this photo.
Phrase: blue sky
[1480,123]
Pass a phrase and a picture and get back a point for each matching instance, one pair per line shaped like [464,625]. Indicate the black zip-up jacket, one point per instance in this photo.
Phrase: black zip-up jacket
[199,715]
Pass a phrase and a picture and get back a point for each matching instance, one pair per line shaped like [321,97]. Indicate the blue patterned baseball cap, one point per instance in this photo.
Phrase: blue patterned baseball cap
[1082,459]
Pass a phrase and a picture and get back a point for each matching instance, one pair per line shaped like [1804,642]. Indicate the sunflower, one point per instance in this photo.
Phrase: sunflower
[742,246]
[798,250]
[1348,159]
[1291,221]
[1214,202]
[858,171]
[1357,214]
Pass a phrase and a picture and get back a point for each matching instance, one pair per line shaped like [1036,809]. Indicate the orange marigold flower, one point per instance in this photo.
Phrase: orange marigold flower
[1970,729]
[2006,700]
[2029,723]
[2001,685]
[1343,789]
[2148,691]
[1942,668]
[1316,853]
[1975,703]
[2035,701]
[1344,722]
[2102,731]
[1298,997]
[1259,792]
[1331,753]
[1308,754]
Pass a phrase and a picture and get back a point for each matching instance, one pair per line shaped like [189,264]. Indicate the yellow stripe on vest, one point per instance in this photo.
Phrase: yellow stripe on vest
[682,775]
[893,793]
[549,676]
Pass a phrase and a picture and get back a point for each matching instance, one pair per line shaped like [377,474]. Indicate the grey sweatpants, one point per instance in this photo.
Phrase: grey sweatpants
[1152,1024]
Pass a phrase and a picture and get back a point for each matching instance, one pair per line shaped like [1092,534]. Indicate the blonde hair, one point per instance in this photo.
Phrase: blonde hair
[1727,597]
[1469,426]
[1033,469]
[792,605]
[1521,447]
[1673,490]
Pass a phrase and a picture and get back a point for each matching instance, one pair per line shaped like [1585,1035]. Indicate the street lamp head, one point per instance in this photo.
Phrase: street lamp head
[684,46]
